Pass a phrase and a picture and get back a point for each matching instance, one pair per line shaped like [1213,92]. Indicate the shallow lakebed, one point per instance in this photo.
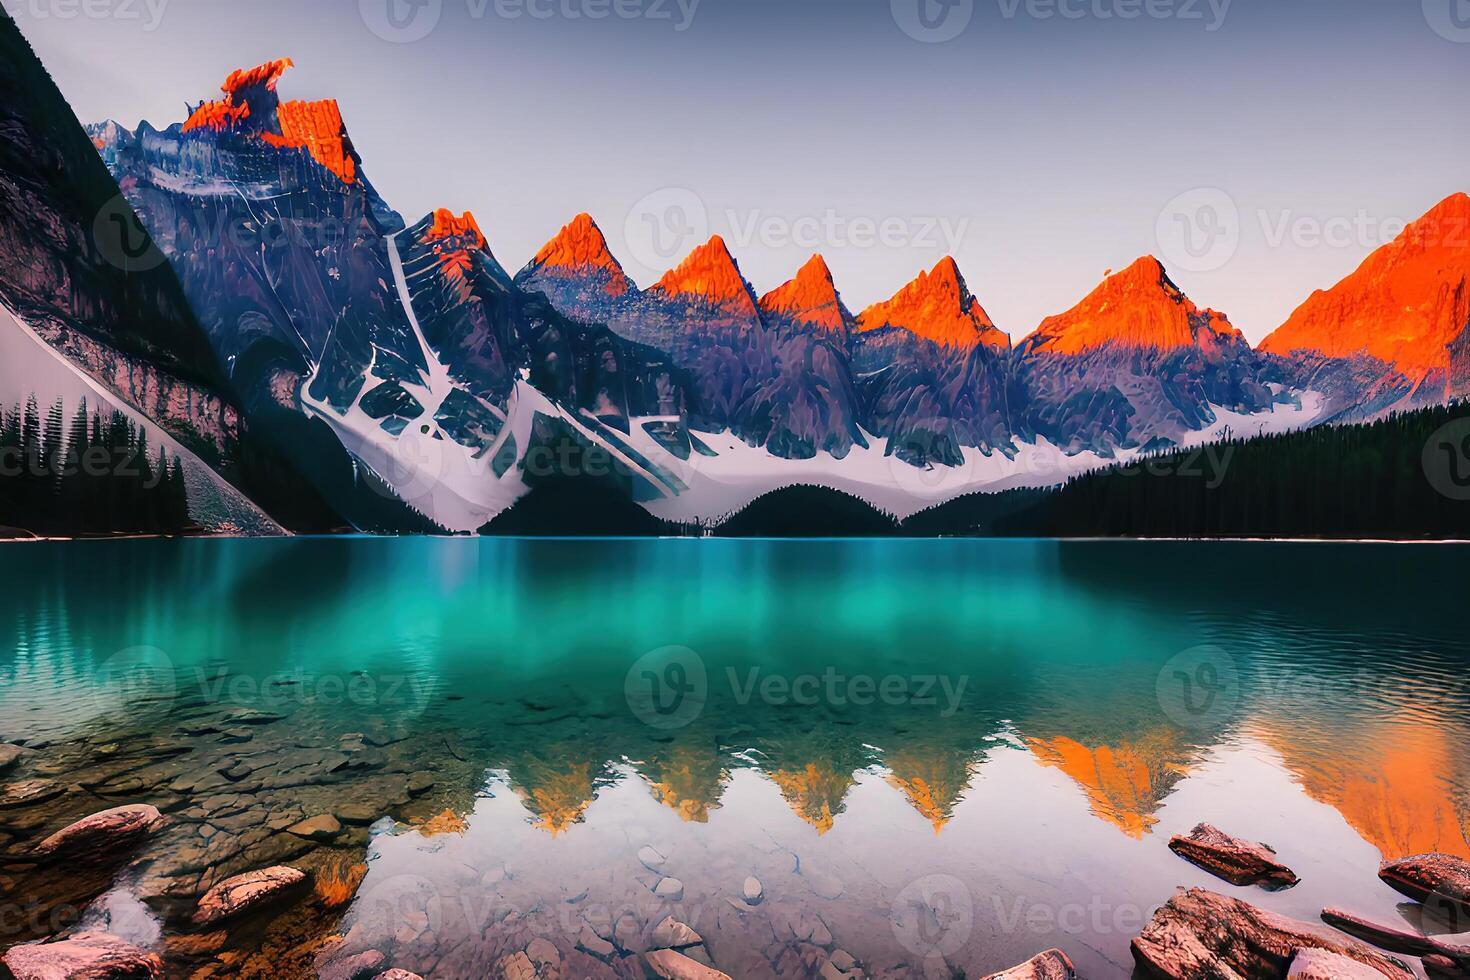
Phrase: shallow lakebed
[900,758]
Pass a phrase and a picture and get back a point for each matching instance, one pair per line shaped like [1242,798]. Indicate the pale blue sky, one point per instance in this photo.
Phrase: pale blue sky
[1047,139]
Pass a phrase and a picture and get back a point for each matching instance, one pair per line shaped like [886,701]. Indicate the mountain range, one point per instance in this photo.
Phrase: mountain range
[413,383]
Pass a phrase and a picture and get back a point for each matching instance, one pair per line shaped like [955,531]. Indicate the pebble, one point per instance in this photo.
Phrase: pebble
[323,827]
[754,893]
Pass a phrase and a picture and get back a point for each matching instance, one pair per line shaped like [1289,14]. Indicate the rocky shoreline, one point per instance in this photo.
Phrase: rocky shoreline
[222,841]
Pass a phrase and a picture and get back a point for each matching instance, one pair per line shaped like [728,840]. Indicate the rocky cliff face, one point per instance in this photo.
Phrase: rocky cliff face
[776,381]
[938,307]
[1136,364]
[83,274]
[1396,319]
[936,372]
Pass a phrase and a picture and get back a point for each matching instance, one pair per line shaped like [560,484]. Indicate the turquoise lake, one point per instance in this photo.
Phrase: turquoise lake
[929,755]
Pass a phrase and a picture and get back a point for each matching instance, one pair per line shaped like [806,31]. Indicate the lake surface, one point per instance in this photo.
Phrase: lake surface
[931,755]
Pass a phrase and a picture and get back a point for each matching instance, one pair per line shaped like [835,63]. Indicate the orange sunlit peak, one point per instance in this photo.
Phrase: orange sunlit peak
[811,298]
[711,273]
[1404,305]
[1139,307]
[938,306]
[267,75]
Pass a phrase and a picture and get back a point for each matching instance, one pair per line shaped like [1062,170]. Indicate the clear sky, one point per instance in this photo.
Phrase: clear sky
[1042,141]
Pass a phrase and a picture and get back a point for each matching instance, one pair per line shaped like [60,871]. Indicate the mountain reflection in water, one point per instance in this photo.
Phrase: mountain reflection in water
[842,720]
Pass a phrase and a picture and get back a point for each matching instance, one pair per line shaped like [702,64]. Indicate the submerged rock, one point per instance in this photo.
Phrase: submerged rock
[518,967]
[1395,940]
[10,755]
[671,889]
[1236,861]
[28,792]
[1317,964]
[1440,881]
[323,828]
[1051,965]
[676,966]
[246,893]
[86,956]
[1200,935]
[397,975]
[753,891]
[673,934]
[102,834]
[650,858]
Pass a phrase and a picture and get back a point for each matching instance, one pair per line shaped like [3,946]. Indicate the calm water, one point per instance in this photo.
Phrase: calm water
[928,753]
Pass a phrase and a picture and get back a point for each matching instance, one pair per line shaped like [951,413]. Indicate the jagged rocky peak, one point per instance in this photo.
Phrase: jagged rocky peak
[1137,308]
[811,300]
[1406,305]
[456,240]
[580,249]
[251,105]
[939,307]
[711,275]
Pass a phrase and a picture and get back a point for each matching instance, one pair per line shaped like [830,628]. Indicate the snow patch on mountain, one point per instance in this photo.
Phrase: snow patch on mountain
[726,483]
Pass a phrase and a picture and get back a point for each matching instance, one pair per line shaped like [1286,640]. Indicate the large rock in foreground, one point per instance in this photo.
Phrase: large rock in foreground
[102,835]
[1200,935]
[1236,861]
[1440,881]
[676,966]
[1051,965]
[245,893]
[86,956]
